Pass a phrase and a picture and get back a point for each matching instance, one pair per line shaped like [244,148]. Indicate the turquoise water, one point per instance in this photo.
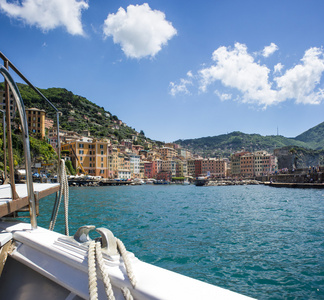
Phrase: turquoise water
[260,241]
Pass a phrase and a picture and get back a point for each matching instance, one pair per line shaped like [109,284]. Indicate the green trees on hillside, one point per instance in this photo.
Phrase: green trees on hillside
[40,150]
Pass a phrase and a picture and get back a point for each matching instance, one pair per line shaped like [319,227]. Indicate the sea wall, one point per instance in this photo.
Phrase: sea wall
[294,178]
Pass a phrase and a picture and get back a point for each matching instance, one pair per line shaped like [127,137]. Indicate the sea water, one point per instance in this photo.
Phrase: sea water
[260,241]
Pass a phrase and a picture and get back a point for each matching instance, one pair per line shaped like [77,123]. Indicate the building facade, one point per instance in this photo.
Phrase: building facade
[36,121]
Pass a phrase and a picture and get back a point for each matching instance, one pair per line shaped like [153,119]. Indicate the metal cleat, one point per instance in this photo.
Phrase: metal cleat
[82,234]
[108,242]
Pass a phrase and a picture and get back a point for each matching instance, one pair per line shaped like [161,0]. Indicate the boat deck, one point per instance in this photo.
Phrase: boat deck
[7,205]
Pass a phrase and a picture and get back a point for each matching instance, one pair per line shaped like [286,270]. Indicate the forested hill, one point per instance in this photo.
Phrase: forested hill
[314,137]
[78,113]
[228,143]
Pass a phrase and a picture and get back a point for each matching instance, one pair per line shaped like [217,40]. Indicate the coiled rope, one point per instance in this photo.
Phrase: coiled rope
[64,189]
[95,255]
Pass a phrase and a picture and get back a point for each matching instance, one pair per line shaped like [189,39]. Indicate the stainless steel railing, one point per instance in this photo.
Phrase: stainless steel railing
[24,126]
[23,118]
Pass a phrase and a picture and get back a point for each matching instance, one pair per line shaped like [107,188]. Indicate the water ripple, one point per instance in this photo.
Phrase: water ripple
[263,242]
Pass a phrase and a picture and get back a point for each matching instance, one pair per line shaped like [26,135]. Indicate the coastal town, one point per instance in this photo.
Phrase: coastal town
[108,158]
[139,158]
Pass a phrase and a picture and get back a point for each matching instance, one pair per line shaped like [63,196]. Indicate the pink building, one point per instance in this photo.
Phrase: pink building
[156,167]
[148,172]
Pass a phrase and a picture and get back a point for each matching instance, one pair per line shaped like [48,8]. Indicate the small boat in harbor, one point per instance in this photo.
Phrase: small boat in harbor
[39,263]
[201,181]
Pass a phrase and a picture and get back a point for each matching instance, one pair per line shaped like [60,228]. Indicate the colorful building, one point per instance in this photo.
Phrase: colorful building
[90,157]
[148,169]
[36,120]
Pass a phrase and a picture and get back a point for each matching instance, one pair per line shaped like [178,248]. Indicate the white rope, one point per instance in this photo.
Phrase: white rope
[105,277]
[64,189]
[123,252]
[92,272]
[95,255]
[127,294]
[65,182]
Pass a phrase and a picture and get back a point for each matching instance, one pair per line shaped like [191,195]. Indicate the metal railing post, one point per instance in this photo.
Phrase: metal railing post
[10,154]
[4,144]
[24,126]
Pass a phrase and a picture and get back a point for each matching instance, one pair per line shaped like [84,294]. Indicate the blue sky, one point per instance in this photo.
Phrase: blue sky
[178,69]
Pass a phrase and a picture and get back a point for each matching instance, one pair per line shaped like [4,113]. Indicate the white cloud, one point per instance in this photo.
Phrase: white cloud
[237,70]
[277,68]
[140,30]
[48,14]
[268,50]
[300,82]
[223,96]
[189,74]
[182,87]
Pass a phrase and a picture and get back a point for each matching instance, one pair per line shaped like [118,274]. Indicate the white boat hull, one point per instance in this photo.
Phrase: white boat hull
[51,263]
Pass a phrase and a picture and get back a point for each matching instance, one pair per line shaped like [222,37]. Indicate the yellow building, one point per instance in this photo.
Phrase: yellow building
[113,163]
[89,155]
[36,120]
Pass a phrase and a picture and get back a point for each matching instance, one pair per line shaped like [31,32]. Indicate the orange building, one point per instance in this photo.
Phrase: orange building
[247,165]
[92,155]
[167,153]
[214,167]
[236,163]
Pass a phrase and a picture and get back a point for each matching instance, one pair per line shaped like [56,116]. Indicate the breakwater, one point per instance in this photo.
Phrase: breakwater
[232,182]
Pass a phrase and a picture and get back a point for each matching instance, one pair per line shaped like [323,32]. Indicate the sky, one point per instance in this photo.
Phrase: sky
[178,69]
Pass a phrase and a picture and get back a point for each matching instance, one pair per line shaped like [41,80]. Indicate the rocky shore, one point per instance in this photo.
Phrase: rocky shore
[232,182]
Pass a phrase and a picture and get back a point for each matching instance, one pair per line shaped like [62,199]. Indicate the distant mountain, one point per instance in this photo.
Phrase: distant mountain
[314,137]
[226,144]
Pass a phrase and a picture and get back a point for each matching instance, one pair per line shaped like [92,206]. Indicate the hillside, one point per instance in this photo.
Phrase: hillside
[226,144]
[78,113]
[314,137]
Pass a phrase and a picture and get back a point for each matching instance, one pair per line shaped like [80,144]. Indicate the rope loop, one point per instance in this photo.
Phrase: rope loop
[95,255]
[123,252]
[64,189]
